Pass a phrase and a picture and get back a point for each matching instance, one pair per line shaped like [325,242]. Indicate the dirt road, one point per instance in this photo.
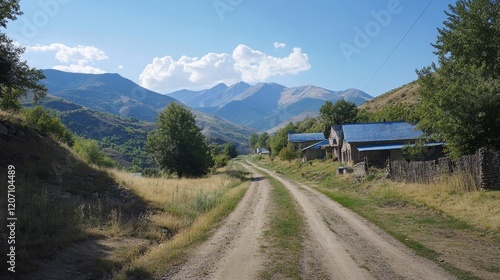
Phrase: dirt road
[233,251]
[338,244]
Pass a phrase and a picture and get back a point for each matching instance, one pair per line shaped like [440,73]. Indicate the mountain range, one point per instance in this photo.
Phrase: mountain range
[264,106]
[225,113]
[81,97]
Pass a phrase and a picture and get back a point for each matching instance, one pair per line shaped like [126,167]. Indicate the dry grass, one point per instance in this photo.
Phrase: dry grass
[452,196]
[161,258]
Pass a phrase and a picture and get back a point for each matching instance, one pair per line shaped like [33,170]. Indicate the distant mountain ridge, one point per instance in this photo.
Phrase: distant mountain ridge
[114,94]
[264,105]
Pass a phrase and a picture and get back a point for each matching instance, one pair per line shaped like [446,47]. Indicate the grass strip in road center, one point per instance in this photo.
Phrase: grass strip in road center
[284,236]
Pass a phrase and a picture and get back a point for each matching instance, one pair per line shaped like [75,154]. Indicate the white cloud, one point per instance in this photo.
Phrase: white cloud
[278,45]
[76,68]
[121,66]
[244,64]
[76,59]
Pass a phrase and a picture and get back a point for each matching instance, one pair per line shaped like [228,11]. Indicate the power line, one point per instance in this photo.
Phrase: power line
[399,43]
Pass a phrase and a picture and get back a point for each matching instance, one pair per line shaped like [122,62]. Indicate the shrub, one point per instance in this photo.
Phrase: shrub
[89,151]
[221,160]
[48,123]
[150,172]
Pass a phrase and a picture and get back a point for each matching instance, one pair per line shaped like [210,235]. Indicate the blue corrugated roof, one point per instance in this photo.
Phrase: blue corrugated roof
[305,137]
[318,145]
[375,132]
[392,147]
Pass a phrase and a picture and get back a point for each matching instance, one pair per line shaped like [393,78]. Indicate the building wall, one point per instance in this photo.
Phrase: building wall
[313,154]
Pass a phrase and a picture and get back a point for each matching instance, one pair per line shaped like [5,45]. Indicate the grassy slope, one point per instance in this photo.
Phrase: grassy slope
[406,94]
[63,202]
[457,229]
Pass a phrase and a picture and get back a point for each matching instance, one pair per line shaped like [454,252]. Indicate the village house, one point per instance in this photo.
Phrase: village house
[375,143]
[310,143]
[262,151]
[335,141]
[315,151]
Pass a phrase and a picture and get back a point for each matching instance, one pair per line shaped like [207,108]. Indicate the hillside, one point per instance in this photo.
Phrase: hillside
[52,186]
[406,94]
[123,138]
[82,97]
[265,105]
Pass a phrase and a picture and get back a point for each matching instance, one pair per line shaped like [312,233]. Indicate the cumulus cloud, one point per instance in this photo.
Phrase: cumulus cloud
[75,59]
[76,68]
[244,64]
[279,45]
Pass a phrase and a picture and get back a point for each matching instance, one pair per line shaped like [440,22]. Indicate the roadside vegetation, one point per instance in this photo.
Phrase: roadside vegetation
[68,196]
[284,236]
[183,212]
[441,221]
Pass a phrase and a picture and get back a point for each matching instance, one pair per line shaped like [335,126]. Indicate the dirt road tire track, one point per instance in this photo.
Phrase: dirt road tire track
[353,248]
[233,252]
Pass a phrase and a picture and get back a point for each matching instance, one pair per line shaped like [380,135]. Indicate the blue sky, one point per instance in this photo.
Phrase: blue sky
[167,45]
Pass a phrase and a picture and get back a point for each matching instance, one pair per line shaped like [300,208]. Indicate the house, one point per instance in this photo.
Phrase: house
[377,142]
[262,151]
[335,141]
[303,140]
[310,143]
[315,151]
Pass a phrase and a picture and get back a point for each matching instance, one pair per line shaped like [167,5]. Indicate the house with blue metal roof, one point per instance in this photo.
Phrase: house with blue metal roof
[377,142]
[307,141]
[305,137]
[315,151]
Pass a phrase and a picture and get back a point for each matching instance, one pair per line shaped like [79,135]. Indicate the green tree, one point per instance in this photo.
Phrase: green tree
[263,140]
[177,144]
[47,122]
[461,97]
[230,150]
[288,153]
[254,137]
[16,77]
[339,113]
[280,139]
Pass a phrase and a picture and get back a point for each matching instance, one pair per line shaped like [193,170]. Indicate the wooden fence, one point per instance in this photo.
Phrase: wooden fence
[482,169]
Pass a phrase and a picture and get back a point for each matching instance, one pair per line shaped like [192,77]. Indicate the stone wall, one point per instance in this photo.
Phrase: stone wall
[483,169]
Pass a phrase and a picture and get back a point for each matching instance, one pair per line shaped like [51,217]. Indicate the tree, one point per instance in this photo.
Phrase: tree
[288,153]
[461,97]
[254,137]
[16,77]
[177,144]
[339,113]
[280,138]
[230,150]
[263,140]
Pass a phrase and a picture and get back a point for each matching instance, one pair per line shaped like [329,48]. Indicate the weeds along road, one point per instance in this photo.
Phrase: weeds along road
[352,248]
[233,252]
[338,244]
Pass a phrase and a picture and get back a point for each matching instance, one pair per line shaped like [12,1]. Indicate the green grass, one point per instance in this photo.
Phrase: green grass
[284,235]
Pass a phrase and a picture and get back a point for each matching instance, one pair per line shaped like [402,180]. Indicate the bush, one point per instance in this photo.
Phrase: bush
[221,160]
[150,172]
[48,123]
[89,151]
